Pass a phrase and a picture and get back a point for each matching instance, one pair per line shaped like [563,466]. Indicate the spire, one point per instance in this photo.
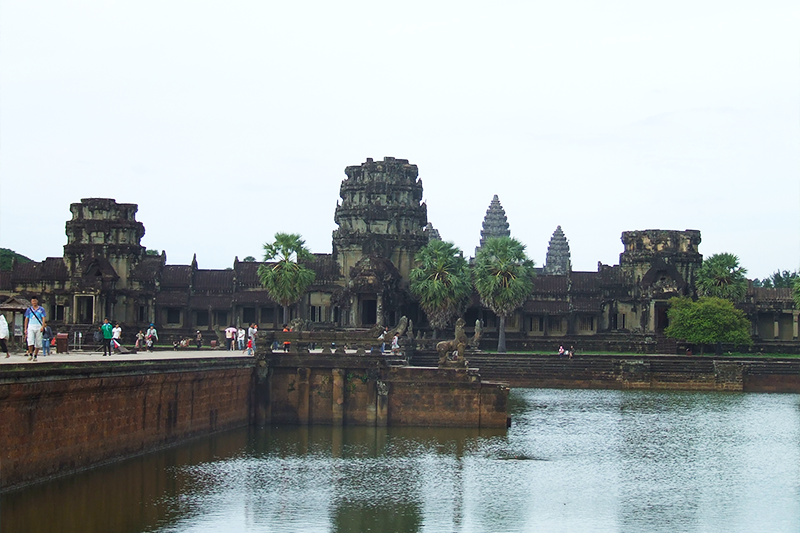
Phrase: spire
[495,223]
[432,233]
[558,261]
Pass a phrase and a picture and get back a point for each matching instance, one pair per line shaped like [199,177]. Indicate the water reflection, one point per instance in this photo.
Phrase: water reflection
[573,461]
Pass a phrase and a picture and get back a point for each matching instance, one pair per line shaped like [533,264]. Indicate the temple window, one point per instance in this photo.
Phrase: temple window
[173,315]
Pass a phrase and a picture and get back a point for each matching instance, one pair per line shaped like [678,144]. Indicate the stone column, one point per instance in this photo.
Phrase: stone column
[379,310]
[795,315]
[776,327]
[303,390]
[337,396]
[263,390]
[382,418]
[372,403]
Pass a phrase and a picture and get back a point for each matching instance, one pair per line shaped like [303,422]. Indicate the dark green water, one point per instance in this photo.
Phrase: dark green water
[574,460]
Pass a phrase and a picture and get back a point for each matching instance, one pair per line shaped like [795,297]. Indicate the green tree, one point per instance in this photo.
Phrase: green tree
[503,277]
[709,320]
[286,279]
[778,280]
[720,276]
[441,282]
[796,292]
[249,259]
[7,257]
[151,252]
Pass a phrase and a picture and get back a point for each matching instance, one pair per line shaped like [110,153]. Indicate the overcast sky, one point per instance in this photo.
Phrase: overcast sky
[230,121]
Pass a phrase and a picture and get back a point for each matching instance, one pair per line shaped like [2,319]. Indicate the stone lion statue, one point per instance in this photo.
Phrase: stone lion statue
[475,342]
[451,353]
[297,324]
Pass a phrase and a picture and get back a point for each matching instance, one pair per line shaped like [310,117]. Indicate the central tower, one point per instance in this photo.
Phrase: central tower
[381,215]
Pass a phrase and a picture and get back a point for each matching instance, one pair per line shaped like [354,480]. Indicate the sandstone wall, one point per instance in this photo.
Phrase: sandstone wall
[365,391]
[59,420]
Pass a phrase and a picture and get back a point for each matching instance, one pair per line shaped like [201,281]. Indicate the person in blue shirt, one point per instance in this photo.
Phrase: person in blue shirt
[33,326]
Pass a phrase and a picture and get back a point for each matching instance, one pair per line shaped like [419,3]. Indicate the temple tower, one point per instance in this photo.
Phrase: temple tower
[558,259]
[103,233]
[495,223]
[381,215]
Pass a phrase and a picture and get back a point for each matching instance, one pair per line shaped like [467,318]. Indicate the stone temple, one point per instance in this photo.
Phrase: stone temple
[382,222]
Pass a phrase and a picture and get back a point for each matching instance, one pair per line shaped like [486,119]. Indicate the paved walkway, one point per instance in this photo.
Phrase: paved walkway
[78,356]
[158,355]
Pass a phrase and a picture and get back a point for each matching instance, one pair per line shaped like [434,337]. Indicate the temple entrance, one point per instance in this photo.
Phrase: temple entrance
[661,316]
[85,309]
[369,312]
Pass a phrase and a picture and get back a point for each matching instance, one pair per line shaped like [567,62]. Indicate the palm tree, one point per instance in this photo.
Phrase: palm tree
[503,278]
[441,282]
[286,280]
[721,276]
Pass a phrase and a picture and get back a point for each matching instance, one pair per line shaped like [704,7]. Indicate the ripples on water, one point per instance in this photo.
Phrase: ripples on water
[574,460]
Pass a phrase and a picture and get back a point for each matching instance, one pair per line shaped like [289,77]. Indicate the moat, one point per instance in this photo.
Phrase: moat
[573,460]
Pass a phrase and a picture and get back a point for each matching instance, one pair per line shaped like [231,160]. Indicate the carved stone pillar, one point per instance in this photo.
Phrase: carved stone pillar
[382,406]
[263,390]
[776,328]
[795,315]
[303,390]
[337,396]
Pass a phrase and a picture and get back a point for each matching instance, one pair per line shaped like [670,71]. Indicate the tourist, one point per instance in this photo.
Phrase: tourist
[382,338]
[571,351]
[108,334]
[139,339]
[560,352]
[199,339]
[396,344]
[47,337]
[286,343]
[252,334]
[151,337]
[4,334]
[240,335]
[249,347]
[230,336]
[175,345]
[116,337]
[33,325]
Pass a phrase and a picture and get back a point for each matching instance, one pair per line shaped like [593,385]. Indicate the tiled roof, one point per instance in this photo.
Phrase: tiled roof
[550,284]
[552,307]
[213,280]
[176,276]
[172,298]
[326,268]
[587,305]
[147,269]
[761,294]
[247,274]
[51,269]
[255,298]
[213,301]
[586,281]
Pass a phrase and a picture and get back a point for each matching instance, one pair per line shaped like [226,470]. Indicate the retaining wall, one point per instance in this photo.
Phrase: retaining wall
[56,419]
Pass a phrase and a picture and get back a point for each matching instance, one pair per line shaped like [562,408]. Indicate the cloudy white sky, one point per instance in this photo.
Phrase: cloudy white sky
[229,121]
